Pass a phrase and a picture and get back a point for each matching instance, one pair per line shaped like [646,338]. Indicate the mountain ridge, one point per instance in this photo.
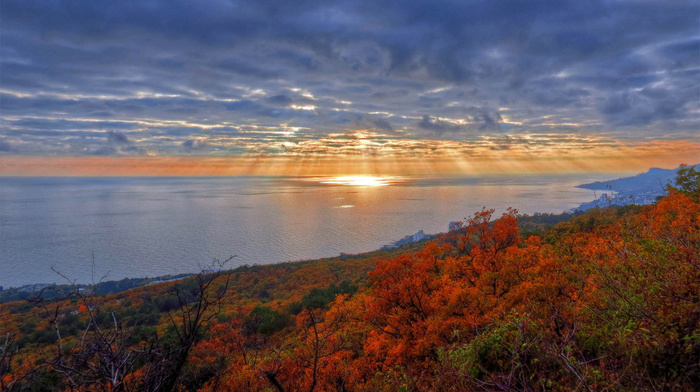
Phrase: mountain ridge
[642,189]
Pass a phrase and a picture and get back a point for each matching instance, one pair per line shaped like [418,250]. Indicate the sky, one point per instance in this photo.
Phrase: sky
[271,87]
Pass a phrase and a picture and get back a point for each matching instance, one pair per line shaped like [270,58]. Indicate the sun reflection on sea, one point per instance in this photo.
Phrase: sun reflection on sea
[360,181]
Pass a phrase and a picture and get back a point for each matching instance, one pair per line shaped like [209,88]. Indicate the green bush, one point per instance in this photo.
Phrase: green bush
[266,321]
[320,298]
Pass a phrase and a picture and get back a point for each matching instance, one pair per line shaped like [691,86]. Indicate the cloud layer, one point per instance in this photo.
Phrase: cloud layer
[265,77]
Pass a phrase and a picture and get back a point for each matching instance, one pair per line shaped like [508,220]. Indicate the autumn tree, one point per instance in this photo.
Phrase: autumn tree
[688,182]
[103,356]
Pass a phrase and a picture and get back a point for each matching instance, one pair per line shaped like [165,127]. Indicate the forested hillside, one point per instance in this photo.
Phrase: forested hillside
[608,300]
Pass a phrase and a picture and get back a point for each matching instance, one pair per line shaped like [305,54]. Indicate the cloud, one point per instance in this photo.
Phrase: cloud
[432,69]
[475,119]
[117,137]
[382,124]
[645,106]
[438,126]
[6,146]
[191,145]
[105,151]
[280,99]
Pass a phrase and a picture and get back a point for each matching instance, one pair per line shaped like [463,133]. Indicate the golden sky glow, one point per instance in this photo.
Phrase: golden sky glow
[448,158]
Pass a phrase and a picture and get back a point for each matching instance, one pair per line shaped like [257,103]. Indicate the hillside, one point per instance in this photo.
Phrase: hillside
[606,300]
[641,189]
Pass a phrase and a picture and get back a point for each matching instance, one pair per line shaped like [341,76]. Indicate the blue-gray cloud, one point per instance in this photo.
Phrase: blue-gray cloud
[117,137]
[166,76]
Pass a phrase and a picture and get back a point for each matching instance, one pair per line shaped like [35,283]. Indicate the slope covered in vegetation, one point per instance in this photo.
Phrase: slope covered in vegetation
[609,300]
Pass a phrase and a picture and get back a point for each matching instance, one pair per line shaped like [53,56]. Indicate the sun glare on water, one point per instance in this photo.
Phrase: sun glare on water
[365,181]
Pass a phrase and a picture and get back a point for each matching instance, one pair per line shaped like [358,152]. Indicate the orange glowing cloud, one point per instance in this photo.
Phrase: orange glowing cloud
[454,158]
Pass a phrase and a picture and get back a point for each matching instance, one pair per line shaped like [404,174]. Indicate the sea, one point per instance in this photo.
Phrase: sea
[61,229]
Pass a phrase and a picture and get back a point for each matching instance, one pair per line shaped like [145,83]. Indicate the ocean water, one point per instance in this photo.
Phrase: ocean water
[137,227]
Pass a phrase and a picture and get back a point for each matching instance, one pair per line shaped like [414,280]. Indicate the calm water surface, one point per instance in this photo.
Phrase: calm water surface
[139,227]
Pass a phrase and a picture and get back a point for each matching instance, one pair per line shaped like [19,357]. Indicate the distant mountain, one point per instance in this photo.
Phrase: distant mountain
[641,189]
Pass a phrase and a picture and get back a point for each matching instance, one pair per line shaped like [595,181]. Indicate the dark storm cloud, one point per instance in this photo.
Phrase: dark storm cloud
[179,69]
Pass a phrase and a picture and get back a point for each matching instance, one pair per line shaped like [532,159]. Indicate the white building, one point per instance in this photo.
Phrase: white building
[419,236]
